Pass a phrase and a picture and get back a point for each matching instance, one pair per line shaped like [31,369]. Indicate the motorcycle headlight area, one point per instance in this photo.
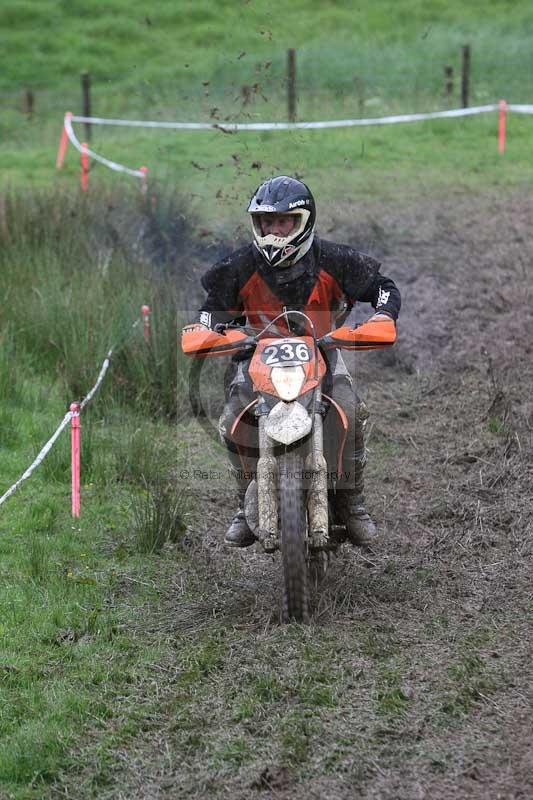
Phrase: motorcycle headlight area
[287,381]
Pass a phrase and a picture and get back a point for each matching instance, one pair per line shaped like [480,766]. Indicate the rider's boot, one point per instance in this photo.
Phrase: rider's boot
[351,511]
[350,504]
[239,533]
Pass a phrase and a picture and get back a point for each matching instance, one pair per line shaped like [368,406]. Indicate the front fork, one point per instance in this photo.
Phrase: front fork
[267,490]
[316,464]
[267,487]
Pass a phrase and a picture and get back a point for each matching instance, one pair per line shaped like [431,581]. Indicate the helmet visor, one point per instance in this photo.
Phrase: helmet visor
[279,229]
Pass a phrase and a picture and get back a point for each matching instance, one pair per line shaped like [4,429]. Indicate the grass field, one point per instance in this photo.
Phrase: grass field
[178,47]
[215,173]
[69,297]
[137,658]
[190,62]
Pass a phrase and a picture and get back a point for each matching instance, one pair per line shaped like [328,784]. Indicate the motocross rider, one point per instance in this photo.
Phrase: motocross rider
[288,266]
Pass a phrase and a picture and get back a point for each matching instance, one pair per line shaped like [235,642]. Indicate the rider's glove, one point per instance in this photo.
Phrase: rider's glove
[380,315]
[194,326]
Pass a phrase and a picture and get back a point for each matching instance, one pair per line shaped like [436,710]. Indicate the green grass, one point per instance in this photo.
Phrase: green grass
[68,658]
[391,699]
[179,47]
[67,655]
[352,61]
[216,173]
[84,670]
[75,290]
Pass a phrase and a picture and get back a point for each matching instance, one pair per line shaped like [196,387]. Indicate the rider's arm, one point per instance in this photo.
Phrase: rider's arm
[359,278]
[223,303]
[383,294]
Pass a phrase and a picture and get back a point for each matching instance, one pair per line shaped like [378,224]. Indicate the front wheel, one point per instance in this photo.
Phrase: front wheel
[293,535]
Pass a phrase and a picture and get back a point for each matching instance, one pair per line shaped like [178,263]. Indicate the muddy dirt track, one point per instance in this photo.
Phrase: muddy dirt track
[414,680]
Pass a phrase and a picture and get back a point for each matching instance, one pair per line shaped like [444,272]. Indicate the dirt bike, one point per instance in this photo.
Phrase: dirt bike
[288,503]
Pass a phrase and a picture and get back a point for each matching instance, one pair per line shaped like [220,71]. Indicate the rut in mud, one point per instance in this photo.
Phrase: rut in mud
[414,679]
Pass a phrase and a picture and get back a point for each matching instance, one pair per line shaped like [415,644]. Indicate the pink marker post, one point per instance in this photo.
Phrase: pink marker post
[145,311]
[75,457]
[84,161]
[502,123]
[63,143]
[144,179]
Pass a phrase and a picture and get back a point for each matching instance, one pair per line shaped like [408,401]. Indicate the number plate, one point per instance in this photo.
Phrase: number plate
[289,351]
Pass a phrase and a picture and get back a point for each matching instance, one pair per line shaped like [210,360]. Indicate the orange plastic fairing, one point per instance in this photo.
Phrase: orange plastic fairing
[370,335]
[260,371]
[200,342]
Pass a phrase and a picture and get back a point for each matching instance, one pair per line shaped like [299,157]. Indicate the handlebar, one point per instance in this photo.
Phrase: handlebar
[371,334]
[228,339]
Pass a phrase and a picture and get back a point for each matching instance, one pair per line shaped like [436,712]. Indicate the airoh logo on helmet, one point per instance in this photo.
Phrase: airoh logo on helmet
[298,203]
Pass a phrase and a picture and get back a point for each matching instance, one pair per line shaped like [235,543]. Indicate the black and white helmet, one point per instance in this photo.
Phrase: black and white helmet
[283,195]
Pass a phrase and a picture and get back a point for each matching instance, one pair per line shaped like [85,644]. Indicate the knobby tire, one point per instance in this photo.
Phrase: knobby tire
[293,529]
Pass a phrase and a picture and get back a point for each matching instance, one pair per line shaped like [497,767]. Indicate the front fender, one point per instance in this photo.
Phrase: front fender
[288,422]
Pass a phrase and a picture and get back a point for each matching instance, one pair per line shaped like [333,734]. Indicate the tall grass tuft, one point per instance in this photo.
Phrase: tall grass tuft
[11,372]
[42,516]
[159,516]
[9,428]
[137,455]
[75,272]
[38,560]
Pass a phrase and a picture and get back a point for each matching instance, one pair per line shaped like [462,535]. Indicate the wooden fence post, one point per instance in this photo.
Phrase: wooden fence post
[29,102]
[360,91]
[291,84]
[465,76]
[86,101]
[448,82]
[501,126]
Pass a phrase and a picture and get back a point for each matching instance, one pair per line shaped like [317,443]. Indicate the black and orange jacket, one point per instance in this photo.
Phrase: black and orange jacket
[324,284]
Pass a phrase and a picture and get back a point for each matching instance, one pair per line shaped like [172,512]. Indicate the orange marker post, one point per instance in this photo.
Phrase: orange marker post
[75,457]
[502,121]
[63,144]
[145,311]
[84,160]
[144,179]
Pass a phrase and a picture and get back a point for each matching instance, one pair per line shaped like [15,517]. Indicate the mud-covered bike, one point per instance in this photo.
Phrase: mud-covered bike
[297,442]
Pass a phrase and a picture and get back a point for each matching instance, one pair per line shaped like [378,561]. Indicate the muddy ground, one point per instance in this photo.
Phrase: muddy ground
[414,679]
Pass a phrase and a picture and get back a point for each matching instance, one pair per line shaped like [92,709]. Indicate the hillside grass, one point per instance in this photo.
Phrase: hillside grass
[190,61]
[177,47]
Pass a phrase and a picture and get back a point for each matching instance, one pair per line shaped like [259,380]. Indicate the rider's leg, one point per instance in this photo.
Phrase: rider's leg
[240,394]
[350,498]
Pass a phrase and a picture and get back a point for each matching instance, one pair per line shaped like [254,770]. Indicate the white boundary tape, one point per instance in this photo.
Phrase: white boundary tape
[286,126]
[101,375]
[234,127]
[51,441]
[40,458]
[136,173]
[520,109]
